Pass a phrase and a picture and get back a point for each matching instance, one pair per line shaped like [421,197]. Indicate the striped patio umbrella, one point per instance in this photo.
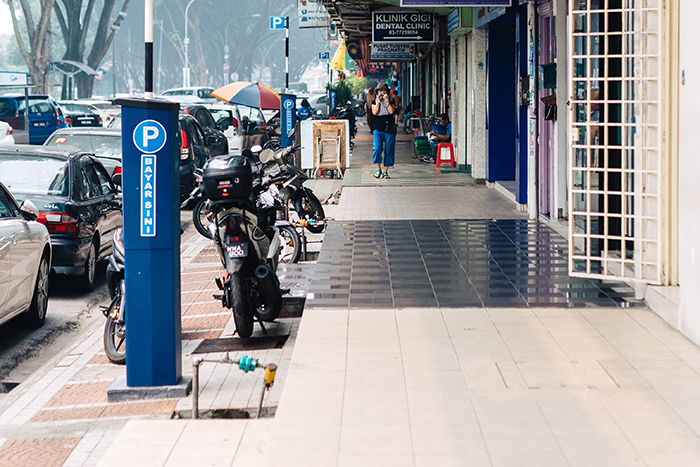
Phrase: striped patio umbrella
[254,95]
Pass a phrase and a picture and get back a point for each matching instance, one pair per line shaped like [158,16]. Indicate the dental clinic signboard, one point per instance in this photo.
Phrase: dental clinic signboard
[454,3]
[397,27]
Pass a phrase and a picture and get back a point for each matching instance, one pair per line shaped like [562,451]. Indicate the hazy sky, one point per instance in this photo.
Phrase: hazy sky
[5,19]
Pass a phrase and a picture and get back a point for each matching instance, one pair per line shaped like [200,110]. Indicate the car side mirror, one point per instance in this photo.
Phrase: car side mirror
[117,179]
[28,211]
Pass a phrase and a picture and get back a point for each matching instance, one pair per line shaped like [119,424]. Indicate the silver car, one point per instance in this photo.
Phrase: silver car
[25,259]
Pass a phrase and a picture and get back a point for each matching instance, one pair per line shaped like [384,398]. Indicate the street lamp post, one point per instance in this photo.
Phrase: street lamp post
[226,48]
[186,71]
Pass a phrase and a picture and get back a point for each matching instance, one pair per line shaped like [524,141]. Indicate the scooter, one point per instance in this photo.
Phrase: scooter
[305,202]
[246,239]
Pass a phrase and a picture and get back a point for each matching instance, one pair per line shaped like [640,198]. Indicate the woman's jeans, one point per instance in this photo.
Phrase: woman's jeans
[387,142]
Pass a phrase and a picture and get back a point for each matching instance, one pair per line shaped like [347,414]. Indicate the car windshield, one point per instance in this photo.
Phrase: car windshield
[222,115]
[36,106]
[100,145]
[75,108]
[34,175]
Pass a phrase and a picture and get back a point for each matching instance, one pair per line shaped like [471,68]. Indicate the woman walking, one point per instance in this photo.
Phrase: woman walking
[384,126]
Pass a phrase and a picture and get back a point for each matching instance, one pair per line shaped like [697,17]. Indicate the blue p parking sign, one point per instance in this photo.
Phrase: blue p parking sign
[149,136]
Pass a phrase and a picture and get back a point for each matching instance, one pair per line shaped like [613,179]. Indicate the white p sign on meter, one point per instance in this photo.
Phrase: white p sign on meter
[149,138]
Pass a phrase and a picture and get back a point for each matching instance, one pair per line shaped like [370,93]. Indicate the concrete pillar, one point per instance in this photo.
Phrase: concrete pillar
[476,112]
[561,143]
[458,110]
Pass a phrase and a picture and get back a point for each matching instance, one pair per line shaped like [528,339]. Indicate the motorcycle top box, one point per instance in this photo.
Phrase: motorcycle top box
[228,178]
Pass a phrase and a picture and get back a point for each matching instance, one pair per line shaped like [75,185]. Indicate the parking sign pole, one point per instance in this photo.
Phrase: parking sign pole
[286,53]
[148,39]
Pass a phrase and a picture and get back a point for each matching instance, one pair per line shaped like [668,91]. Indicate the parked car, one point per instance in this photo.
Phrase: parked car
[76,201]
[45,115]
[78,115]
[104,108]
[104,143]
[202,92]
[6,134]
[231,117]
[319,102]
[193,152]
[214,132]
[25,258]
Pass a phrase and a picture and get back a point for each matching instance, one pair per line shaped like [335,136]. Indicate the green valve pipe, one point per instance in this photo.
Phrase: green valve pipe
[247,363]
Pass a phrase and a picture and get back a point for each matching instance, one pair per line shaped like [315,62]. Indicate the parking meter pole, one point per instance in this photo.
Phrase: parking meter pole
[151,195]
[286,54]
[288,117]
[148,39]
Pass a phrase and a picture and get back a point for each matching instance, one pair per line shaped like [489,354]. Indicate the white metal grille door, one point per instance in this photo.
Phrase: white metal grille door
[614,223]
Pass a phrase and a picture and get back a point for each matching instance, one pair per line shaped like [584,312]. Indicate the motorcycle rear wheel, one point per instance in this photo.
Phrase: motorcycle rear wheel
[240,304]
[290,244]
[114,338]
[309,207]
[199,216]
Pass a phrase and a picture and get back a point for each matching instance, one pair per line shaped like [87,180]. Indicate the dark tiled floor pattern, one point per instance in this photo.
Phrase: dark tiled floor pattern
[452,263]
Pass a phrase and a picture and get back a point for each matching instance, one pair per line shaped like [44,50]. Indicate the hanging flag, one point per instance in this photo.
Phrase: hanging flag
[358,49]
[338,62]
[353,48]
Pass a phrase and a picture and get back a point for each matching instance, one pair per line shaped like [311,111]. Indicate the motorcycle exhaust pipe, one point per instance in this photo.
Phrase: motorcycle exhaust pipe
[267,286]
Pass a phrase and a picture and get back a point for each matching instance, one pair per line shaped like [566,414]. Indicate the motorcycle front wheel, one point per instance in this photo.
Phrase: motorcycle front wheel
[114,338]
[290,244]
[199,216]
[309,207]
[240,303]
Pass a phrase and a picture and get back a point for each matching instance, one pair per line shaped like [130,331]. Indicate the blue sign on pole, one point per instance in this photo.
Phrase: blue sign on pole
[323,55]
[289,116]
[277,22]
[151,199]
[332,99]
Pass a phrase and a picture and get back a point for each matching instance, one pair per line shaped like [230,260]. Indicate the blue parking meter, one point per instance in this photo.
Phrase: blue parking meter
[332,100]
[288,118]
[151,194]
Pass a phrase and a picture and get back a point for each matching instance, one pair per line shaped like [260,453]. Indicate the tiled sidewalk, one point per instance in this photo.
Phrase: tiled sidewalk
[62,418]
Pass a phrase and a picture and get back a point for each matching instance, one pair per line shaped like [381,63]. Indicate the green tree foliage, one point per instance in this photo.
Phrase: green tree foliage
[343,90]
[357,85]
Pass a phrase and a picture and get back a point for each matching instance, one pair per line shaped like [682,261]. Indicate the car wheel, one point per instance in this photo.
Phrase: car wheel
[36,315]
[88,277]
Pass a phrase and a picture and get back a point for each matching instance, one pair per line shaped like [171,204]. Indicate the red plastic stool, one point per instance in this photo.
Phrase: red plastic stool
[438,157]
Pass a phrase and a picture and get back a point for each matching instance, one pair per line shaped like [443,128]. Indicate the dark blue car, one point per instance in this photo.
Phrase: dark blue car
[45,115]
[76,201]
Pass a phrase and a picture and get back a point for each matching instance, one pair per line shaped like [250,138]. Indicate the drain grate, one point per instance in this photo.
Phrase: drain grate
[267,412]
[6,386]
[236,344]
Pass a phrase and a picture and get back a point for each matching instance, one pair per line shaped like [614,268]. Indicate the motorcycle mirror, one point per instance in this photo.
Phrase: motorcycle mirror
[117,179]
[267,155]
[256,148]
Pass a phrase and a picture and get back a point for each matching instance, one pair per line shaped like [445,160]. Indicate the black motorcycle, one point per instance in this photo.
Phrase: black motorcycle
[247,240]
